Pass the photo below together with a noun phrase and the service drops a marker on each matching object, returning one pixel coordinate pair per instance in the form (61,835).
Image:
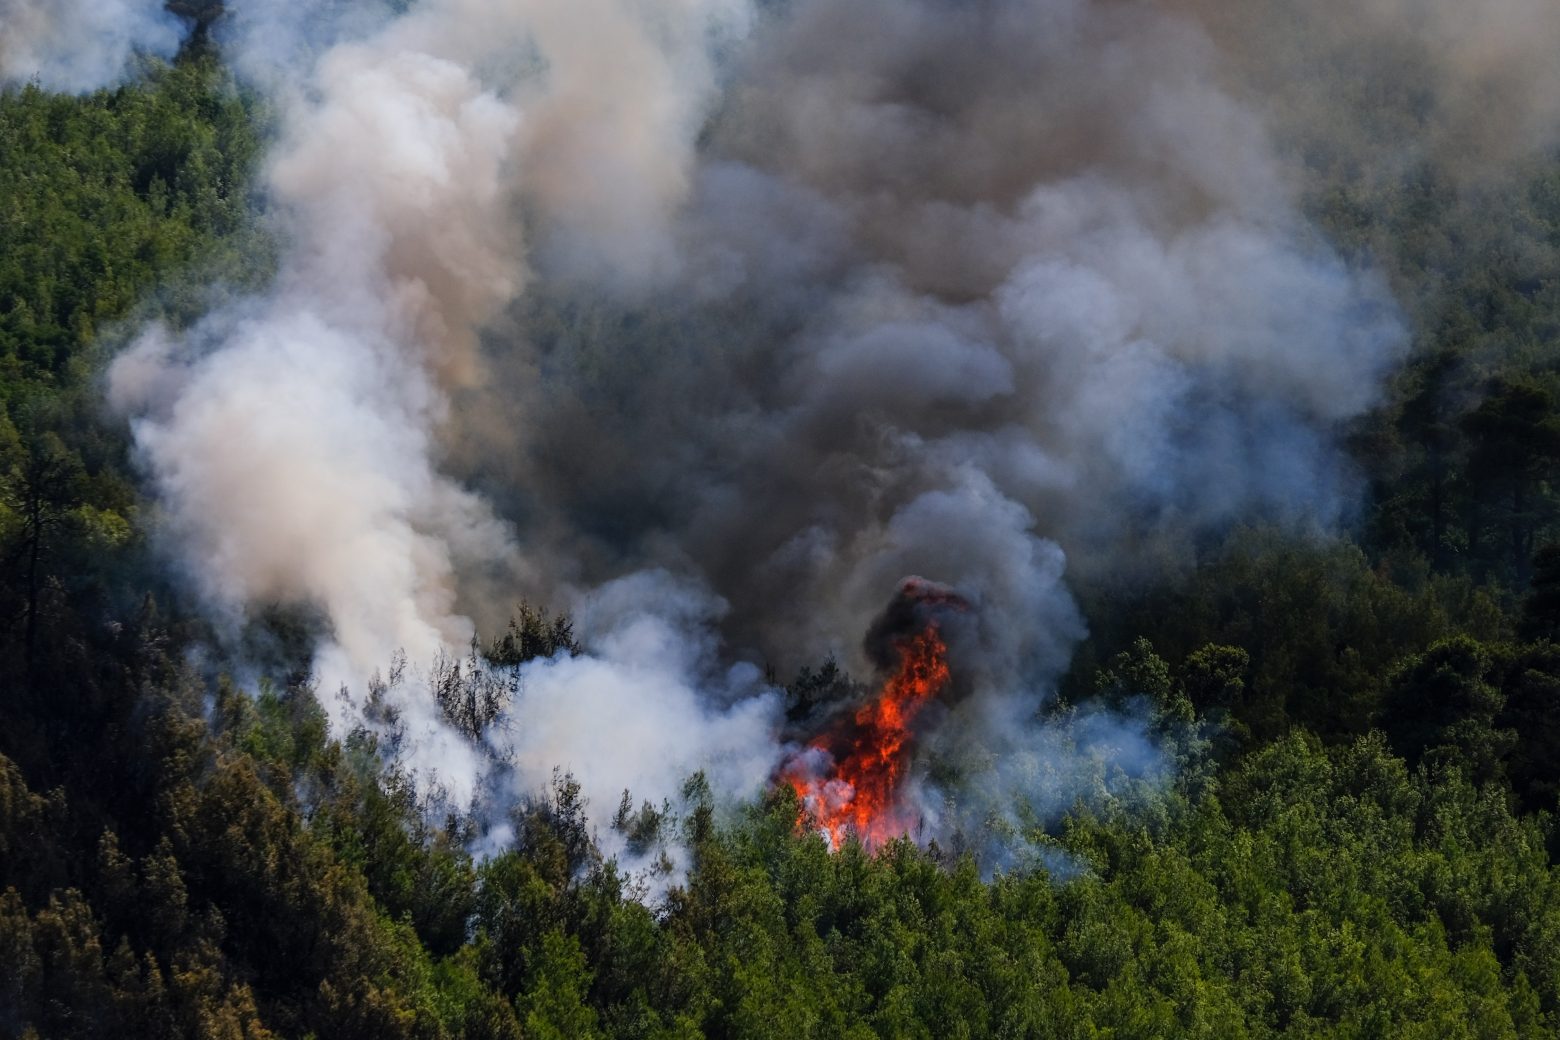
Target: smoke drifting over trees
(713,322)
(80,45)
(1473,87)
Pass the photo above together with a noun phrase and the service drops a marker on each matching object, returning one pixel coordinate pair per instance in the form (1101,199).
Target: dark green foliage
(1541,608)
(1464,456)
(816,692)
(1444,704)
(106,196)
(473,692)
(532,634)
(1531,714)
(1320,630)
(1514,447)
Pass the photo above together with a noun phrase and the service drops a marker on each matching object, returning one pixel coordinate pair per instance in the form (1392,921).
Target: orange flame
(869,753)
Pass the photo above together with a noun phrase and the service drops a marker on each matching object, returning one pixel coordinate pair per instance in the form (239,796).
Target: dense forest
(1359,838)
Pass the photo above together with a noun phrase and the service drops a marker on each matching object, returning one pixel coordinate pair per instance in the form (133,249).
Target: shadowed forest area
(1359,838)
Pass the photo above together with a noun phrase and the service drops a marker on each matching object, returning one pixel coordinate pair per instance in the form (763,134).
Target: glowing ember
(848,780)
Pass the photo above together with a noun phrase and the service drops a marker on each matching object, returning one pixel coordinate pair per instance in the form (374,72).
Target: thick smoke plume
(80,45)
(959,282)
(293,440)
(977,292)
(713,323)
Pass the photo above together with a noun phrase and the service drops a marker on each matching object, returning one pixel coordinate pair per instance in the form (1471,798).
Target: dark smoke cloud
(713,322)
(960,283)
(982,292)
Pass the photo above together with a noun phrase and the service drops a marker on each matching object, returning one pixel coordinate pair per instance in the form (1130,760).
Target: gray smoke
(75,46)
(712,323)
(959,285)
(979,292)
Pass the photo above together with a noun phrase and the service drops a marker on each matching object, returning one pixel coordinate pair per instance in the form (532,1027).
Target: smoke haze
(1467,88)
(75,46)
(712,323)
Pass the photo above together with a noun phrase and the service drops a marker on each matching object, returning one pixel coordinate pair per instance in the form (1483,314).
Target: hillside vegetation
(1359,841)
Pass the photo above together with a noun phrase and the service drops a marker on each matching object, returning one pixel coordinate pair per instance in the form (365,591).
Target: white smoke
(650,706)
(294,440)
(75,46)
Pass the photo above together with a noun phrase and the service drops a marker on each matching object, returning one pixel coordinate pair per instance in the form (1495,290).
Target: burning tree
(849,777)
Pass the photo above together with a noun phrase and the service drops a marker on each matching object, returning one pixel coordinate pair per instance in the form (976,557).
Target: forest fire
(848,779)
